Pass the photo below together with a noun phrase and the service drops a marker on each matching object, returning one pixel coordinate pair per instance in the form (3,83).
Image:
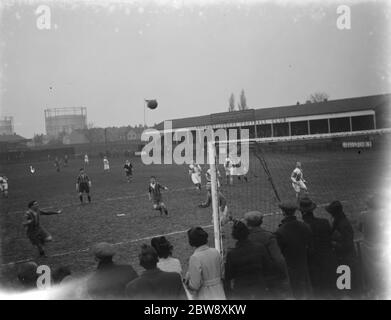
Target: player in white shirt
(228,166)
(86,161)
(106,164)
(195,173)
(298,182)
(4,186)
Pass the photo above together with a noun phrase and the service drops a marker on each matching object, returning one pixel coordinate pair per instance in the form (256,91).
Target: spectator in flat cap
(372,227)
(276,277)
(27,275)
(321,259)
(154,283)
(245,266)
(204,277)
(109,280)
(164,250)
(294,239)
(343,241)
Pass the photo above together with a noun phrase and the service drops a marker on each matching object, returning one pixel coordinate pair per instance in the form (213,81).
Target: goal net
(336,166)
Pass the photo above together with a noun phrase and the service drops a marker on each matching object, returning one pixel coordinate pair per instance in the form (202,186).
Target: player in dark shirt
(83,184)
(154,194)
(128,170)
(57,164)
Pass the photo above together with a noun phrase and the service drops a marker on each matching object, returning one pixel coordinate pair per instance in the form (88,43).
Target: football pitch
(120,212)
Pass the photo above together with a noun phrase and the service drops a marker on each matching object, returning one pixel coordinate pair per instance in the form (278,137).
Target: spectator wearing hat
(294,239)
(245,266)
(109,280)
(321,259)
(154,283)
(343,241)
(204,277)
(276,277)
(164,251)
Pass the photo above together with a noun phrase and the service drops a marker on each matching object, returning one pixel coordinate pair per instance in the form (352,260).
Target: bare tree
(318,97)
(243,101)
(231,103)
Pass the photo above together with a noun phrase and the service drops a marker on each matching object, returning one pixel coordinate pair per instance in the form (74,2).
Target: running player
(240,171)
(35,231)
(195,173)
(298,182)
(83,185)
(106,164)
(128,167)
(66,160)
(4,186)
(228,166)
(155,194)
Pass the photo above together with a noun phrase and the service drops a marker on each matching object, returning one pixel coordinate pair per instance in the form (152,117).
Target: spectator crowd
(298,261)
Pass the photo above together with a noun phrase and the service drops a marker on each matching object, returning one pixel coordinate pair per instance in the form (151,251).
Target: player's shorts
(299,185)
(128,173)
(196,178)
(106,167)
(38,235)
(84,187)
(4,187)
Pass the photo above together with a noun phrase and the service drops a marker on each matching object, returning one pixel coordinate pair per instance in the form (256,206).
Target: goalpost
(271,162)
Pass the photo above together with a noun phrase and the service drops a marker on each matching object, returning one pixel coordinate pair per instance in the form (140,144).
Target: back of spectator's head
(60,273)
(335,208)
(162,246)
(240,231)
(27,274)
(306,205)
(148,257)
(103,251)
(253,218)
(197,237)
(288,208)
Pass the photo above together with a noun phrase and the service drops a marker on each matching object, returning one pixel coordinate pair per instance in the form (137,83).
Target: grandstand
(343,115)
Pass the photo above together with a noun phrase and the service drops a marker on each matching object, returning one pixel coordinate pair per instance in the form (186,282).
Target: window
(264,130)
(299,128)
(281,129)
(362,123)
(340,124)
(319,126)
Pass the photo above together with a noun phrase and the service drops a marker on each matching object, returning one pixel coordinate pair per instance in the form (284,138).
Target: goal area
(336,166)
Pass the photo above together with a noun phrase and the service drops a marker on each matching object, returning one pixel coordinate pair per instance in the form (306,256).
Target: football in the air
(152,104)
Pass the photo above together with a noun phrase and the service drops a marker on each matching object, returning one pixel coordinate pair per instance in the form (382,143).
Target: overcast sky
(190,58)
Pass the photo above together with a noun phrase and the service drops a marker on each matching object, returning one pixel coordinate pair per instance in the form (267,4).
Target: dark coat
(109,281)
(343,243)
(156,285)
(294,239)
(246,265)
(322,261)
(343,239)
(267,239)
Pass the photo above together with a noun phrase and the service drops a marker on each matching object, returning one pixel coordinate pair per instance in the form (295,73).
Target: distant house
(9,142)
(132,135)
(75,137)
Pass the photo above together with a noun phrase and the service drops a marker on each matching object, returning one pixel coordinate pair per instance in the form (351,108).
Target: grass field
(120,212)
